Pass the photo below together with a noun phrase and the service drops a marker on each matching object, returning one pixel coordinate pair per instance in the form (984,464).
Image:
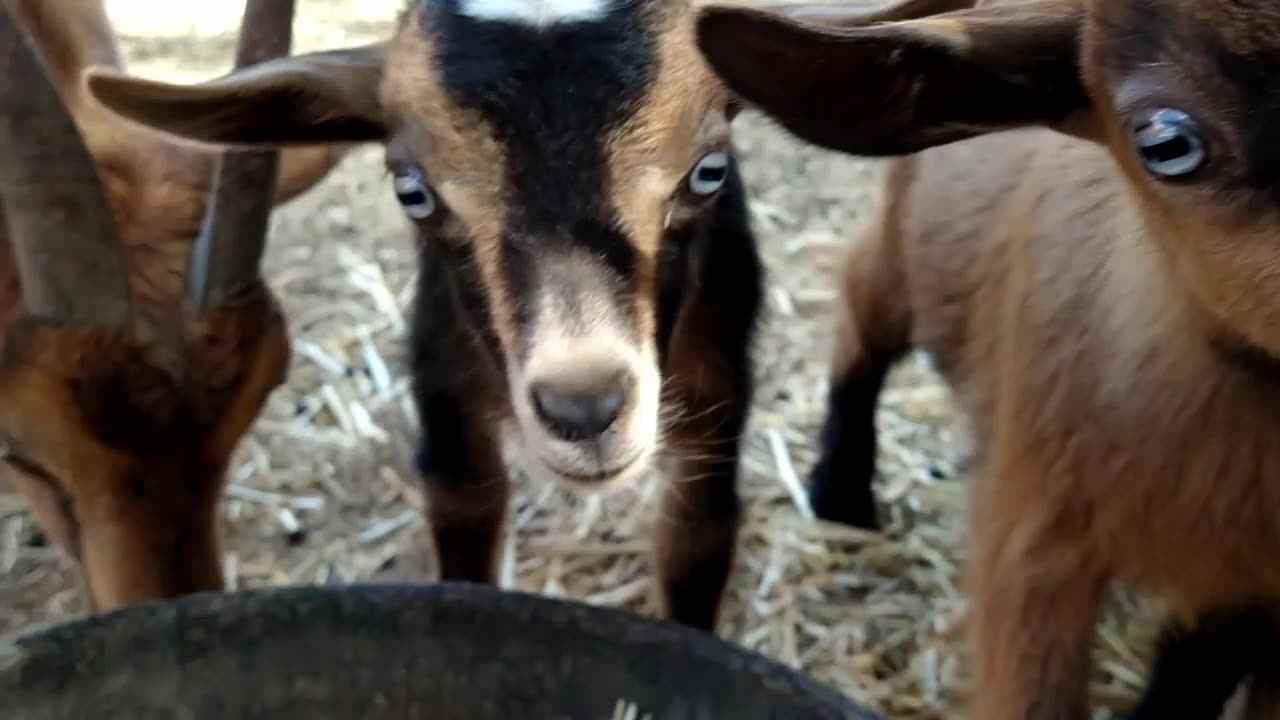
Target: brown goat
(587,265)
(126,381)
(1082,227)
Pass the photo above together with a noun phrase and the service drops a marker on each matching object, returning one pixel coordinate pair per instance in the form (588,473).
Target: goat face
(549,154)
(1073,326)
(1183,94)
(1178,92)
(125,381)
(120,437)
(120,444)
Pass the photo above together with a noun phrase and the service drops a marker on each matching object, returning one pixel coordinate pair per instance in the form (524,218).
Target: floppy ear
(899,87)
(309,99)
(302,168)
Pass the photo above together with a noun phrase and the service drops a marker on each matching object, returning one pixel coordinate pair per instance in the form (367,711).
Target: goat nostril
(578,414)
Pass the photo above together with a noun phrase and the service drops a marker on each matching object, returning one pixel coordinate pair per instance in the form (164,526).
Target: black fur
(727,277)
(1255,97)
(457,362)
(458,381)
(1238,352)
(1197,669)
(718,272)
(840,486)
(552,96)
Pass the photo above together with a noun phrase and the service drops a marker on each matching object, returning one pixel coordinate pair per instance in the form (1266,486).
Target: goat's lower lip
(594,477)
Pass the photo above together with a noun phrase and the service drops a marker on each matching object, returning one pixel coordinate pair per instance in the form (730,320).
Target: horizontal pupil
(1169,149)
(414,197)
(710,174)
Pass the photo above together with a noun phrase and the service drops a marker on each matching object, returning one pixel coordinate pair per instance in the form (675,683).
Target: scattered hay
(324,490)
(626,710)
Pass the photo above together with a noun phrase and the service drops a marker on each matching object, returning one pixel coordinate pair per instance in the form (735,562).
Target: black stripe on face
(601,250)
(553,96)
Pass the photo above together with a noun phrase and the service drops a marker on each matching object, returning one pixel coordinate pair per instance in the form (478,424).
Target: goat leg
(1198,667)
(1036,588)
(467,487)
(872,333)
(701,511)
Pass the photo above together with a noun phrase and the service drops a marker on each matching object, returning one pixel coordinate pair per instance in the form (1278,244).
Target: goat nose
(576,413)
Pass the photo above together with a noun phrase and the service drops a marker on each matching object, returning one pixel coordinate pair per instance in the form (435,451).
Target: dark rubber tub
(438,652)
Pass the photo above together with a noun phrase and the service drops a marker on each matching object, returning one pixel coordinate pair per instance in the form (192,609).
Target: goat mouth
(594,478)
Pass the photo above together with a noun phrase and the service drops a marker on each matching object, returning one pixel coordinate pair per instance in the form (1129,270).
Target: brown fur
(698,523)
(120,441)
(698,518)
(1079,307)
(636,285)
(467,520)
(466,160)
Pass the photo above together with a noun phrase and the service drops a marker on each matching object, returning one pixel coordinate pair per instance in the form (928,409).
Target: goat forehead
(1208,36)
(551,97)
(536,13)
(535,84)
(1238,27)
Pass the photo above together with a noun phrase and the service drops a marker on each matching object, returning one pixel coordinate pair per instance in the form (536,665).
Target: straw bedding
(323,490)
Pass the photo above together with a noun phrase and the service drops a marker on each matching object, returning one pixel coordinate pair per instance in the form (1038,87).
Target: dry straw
(323,490)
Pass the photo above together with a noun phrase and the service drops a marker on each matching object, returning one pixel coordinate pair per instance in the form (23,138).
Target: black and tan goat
(587,265)
(137,343)
(1086,238)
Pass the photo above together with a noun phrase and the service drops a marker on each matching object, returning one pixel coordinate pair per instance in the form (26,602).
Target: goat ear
(899,87)
(309,99)
(302,168)
(860,13)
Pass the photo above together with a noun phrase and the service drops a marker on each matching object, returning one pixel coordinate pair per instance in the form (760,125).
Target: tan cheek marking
(457,142)
(465,203)
(642,209)
(714,129)
(954,33)
(650,156)
(462,156)
(642,204)
(484,225)
(652,153)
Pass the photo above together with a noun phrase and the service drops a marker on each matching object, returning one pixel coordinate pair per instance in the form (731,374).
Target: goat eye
(1169,143)
(709,174)
(415,197)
